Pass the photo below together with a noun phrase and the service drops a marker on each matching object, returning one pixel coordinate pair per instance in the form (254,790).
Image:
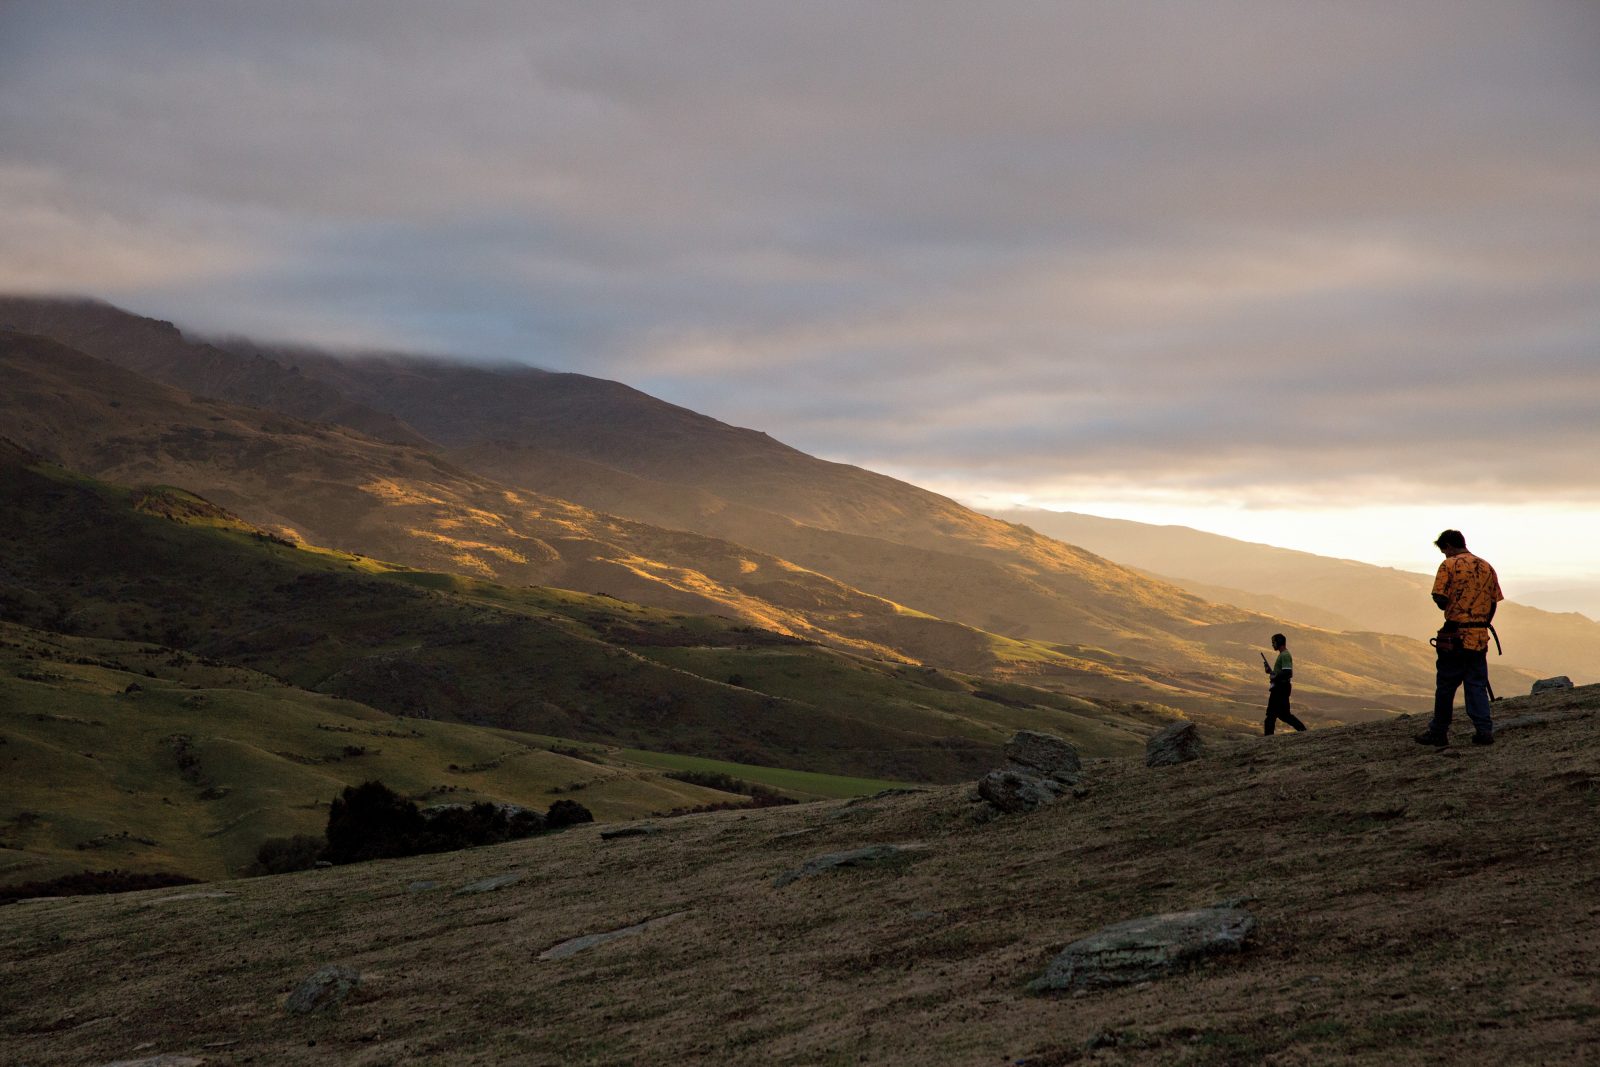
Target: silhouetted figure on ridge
(1281,671)
(1467,590)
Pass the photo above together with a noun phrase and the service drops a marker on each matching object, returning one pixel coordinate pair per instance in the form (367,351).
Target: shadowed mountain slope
(1411,911)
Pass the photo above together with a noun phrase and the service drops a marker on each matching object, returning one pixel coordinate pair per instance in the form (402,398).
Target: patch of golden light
(502,552)
(394,493)
(491,519)
(468,562)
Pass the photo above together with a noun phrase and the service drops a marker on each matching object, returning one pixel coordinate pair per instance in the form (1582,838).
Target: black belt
(1471,625)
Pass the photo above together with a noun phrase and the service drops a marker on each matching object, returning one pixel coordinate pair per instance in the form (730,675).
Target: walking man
(1281,672)
(1467,590)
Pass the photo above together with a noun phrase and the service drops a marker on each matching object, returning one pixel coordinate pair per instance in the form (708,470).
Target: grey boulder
(323,990)
(1143,949)
(1546,685)
(1039,768)
(1030,751)
(1178,743)
(1014,792)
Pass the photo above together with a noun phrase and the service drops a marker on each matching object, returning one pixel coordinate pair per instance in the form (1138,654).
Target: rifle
(1264,664)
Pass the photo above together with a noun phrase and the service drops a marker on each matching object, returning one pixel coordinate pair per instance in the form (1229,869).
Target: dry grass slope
(1415,908)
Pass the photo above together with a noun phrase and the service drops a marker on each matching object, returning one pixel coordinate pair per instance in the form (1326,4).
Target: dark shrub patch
(91,882)
(280,855)
(566,813)
(760,795)
(371,821)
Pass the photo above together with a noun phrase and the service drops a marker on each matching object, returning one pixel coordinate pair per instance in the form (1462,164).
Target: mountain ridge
(953,564)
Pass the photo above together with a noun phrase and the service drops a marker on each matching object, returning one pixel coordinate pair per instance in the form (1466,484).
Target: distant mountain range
(1319,591)
(527,476)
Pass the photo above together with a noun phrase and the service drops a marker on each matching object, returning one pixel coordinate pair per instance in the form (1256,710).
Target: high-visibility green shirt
(1284,667)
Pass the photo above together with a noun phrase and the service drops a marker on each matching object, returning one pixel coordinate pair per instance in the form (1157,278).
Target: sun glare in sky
(1532,547)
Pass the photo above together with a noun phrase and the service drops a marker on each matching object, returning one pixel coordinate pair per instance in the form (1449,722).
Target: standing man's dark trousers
(1462,667)
(1278,708)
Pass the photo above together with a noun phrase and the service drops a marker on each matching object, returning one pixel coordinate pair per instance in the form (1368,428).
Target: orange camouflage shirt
(1473,589)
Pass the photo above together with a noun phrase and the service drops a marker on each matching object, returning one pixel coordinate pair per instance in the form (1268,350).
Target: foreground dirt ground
(1415,907)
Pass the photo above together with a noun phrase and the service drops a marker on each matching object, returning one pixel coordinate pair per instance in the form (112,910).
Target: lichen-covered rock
(1177,743)
(1013,791)
(1546,685)
(324,990)
(1142,949)
(1044,754)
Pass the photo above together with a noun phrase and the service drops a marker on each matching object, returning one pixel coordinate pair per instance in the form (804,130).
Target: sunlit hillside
(952,588)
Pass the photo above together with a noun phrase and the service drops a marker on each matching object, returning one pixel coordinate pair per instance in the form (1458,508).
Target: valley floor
(1415,907)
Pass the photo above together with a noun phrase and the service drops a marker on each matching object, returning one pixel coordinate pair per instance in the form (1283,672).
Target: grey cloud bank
(1052,249)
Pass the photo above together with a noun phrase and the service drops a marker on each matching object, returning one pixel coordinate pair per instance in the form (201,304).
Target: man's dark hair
(1451,539)
(1279,639)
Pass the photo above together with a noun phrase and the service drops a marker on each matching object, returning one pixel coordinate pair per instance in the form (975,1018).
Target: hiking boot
(1429,737)
(1481,738)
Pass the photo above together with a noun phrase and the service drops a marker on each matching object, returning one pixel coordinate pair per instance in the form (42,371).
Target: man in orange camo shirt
(1467,589)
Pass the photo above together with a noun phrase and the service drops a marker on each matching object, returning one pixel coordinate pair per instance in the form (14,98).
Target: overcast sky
(1163,259)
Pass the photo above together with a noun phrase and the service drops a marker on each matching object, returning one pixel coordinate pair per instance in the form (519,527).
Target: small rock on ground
(641,830)
(1175,744)
(871,856)
(323,990)
(1146,948)
(489,885)
(1544,685)
(573,946)
(1521,721)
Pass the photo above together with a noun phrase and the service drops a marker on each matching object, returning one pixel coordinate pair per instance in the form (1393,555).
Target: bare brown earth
(1415,907)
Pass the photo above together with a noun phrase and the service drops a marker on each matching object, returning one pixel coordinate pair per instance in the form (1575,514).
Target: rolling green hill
(135,756)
